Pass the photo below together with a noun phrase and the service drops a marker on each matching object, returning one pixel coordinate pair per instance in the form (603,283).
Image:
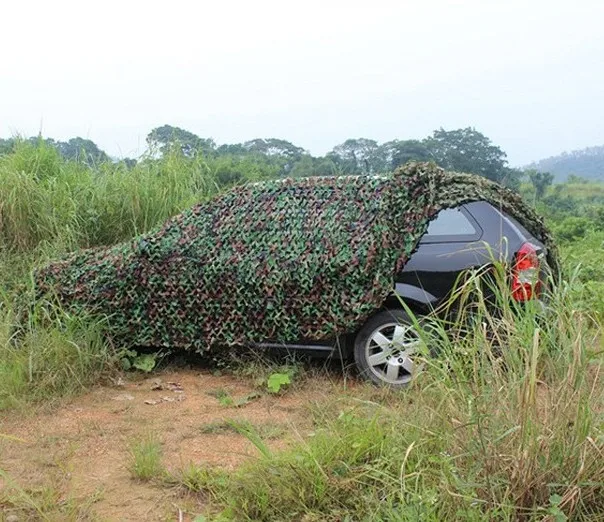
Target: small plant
(266,431)
(48,501)
(225,399)
(194,478)
(144,362)
(277,381)
(145,458)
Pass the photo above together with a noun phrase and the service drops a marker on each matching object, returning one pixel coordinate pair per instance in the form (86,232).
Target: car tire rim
(389,352)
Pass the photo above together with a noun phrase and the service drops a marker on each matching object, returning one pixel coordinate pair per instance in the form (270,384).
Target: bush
(571,228)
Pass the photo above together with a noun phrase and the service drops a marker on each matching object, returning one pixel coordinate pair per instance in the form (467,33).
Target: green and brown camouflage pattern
(306,258)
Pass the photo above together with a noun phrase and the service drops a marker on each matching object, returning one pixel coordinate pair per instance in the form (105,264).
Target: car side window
(452,224)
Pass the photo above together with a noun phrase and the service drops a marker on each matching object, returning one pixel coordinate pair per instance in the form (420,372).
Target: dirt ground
(79,452)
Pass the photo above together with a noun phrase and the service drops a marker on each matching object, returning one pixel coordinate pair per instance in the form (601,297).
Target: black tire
(370,348)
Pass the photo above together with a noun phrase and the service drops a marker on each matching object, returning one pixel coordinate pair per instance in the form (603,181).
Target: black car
(458,239)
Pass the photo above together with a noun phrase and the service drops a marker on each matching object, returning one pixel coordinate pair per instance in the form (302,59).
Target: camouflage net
(287,260)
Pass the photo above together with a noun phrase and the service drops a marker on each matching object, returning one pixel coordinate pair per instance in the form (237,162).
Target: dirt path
(78,455)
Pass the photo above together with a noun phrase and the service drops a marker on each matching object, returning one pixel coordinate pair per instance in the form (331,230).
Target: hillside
(587,163)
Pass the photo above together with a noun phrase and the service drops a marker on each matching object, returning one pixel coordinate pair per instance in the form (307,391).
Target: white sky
(528,74)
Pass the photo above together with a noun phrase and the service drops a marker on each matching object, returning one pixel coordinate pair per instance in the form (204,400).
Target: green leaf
(145,362)
(276,381)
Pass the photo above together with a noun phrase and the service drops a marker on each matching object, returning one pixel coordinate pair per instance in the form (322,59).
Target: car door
(451,245)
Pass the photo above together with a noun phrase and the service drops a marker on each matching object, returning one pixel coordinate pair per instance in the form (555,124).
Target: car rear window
(452,224)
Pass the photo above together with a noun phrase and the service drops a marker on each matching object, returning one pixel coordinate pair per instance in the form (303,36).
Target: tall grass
(49,206)
(47,200)
(48,353)
(507,423)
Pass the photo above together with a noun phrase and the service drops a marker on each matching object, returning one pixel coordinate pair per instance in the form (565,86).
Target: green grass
(507,423)
(194,478)
(266,431)
(146,458)
(47,502)
(49,354)
(47,200)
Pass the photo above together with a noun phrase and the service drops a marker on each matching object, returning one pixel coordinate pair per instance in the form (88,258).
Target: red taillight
(525,273)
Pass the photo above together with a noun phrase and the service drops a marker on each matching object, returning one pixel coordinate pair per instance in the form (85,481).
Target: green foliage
(277,381)
(47,354)
(83,150)
(540,181)
(571,228)
(358,156)
(47,200)
(145,362)
(193,478)
(230,170)
(76,149)
(47,502)
(467,150)
(274,147)
(146,458)
(399,152)
(505,424)
(168,139)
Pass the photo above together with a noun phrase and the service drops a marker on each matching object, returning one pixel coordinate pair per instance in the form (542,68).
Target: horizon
(218,144)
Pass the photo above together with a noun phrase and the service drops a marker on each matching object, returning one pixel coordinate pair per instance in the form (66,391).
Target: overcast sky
(528,74)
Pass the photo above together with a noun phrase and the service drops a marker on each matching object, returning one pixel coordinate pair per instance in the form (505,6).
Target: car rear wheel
(386,349)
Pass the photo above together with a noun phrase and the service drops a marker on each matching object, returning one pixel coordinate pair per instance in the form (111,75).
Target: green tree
(307,165)
(6,146)
(358,156)
(399,152)
(282,152)
(573,178)
(467,150)
(540,182)
(231,149)
(231,170)
(274,147)
(81,149)
(164,138)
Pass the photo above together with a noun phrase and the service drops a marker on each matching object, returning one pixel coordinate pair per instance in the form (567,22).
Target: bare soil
(80,450)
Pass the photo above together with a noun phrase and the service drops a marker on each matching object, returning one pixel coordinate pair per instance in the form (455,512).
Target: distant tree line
(77,149)
(587,163)
(464,150)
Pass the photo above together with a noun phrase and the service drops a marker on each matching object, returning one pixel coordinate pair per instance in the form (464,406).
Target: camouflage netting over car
(286,260)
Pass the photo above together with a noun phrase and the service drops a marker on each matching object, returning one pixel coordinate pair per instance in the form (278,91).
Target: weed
(45,502)
(266,431)
(225,399)
(145,362)
(277,381)
(506,423)
(54,354)
(146,458)
(194,478)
